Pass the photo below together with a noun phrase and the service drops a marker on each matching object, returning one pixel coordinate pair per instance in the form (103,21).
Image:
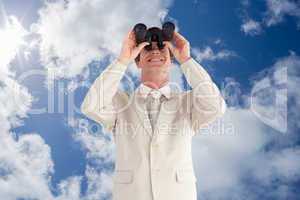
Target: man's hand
(129,49)
(181,50)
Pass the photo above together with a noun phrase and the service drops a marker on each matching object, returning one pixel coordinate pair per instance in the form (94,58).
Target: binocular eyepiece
(153,34)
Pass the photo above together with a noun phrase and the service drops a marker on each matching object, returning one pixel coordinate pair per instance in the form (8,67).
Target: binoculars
(153,34)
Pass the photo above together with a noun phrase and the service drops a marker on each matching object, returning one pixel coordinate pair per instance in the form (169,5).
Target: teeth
(155,59)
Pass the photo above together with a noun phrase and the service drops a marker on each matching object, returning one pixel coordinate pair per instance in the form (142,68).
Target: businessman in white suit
(153,126)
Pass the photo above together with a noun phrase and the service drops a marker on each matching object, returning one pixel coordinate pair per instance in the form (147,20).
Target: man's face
(155,57)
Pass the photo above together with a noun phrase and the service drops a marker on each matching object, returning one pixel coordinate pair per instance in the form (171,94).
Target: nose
(155,50)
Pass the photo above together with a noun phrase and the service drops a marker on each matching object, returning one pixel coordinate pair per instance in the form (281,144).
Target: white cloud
(218,41)
(69,188)
(97,147)
(239,157)
(275,13)
(26,165)
(277,10)
(11,37)
(100,184)
(220,156)
(207,53)
(251,27)
(233,94)
(222,161)
(77,32)
(269,96)
(100,151)
(272,89)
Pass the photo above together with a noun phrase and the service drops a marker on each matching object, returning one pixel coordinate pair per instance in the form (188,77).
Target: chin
(158,65)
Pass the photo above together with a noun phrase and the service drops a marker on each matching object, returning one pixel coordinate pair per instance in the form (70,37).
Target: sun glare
(11,38)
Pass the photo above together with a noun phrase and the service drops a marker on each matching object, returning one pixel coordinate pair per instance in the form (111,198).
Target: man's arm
(98,103)
(206,101)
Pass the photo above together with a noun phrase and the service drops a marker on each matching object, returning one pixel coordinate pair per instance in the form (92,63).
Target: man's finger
(139,48)
(170,46)
(179,36)
(142,45)
(179,39)
(131,34)
(128,36)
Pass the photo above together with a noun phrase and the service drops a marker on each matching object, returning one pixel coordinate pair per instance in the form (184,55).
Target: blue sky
(250,48)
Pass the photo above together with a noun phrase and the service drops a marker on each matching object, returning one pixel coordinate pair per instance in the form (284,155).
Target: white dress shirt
(144,90)
(154,100)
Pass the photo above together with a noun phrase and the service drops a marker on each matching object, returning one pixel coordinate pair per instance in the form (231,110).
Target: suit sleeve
(205,100)
(99,104)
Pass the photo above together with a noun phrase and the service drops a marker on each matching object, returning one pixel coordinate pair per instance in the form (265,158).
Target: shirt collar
(165,90)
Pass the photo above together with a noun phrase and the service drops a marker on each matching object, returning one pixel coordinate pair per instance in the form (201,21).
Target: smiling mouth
(153,60)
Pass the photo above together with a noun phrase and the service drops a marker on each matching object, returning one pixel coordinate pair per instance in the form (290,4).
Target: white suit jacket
(158,166)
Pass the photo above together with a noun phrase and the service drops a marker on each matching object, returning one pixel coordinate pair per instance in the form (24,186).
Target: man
(153,127)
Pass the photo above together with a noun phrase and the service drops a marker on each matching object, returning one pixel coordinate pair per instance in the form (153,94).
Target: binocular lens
(154,34)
